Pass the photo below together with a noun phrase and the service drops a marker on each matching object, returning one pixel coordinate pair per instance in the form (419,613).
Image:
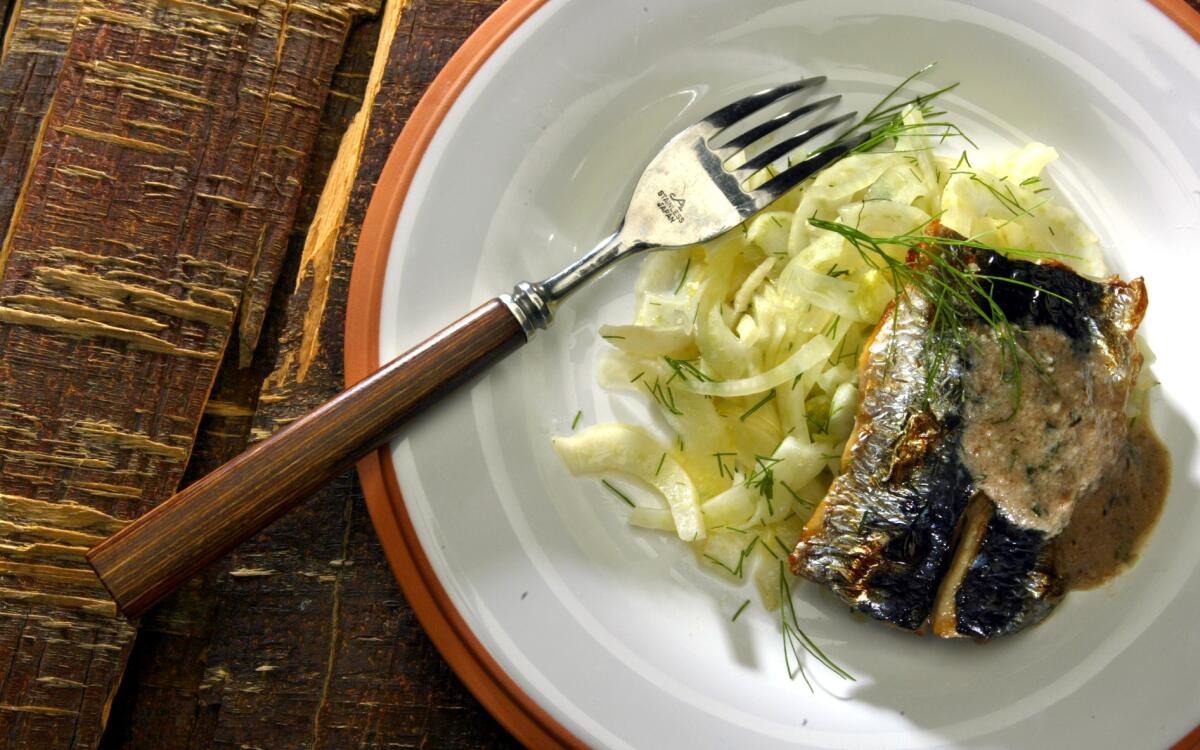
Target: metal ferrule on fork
(533,304)
(529,306)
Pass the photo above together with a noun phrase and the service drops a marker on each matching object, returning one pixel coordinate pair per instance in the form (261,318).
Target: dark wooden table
(164,303)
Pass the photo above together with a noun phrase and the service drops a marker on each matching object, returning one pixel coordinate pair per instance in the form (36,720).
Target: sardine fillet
(892,537)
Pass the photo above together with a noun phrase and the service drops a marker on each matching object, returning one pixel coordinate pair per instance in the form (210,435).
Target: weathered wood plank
(158,705)
(316,646)
(35,44)
(6,12)
(160,198)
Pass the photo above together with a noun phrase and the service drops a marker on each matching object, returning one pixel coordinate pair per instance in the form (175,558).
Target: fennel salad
(748,346)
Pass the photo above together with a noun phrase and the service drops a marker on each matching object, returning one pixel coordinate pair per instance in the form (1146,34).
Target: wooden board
(160,197)
(35,43)
(165,699)
(307,641)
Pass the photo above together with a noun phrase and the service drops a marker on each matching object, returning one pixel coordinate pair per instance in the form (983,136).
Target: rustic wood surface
(302,638)
(35,43)
(152,217)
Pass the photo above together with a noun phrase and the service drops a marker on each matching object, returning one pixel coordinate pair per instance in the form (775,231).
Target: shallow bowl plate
(573,628)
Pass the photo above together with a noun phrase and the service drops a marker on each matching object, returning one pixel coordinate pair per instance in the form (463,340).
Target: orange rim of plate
(470,660)
(1183,14)
(510,705)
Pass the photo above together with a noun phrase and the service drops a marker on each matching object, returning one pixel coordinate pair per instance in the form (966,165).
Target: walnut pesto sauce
(1114,519)
(1058,455)
(1036,445)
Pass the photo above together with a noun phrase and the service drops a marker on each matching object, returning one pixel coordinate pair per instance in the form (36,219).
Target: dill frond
(684,369)
(765,399)
(740,610)
(885,122)
(763,479)
(959,297)
(796,642)
(624,498)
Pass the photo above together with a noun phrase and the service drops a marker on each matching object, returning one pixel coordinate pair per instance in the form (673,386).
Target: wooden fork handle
(163,548)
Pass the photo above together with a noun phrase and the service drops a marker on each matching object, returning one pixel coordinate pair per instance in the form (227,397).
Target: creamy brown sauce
(1035,451)
(1114,519)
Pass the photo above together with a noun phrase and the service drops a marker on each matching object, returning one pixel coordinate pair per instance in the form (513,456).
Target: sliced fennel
(625,449)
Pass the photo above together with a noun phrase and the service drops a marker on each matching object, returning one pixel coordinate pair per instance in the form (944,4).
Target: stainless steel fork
(694,190)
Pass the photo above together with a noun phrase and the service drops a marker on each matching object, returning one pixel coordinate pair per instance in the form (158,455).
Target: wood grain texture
(35,45)
(368,676)
(165,700)
(388,687)
(309,642)
(175,540)
(365,674)
(162,186)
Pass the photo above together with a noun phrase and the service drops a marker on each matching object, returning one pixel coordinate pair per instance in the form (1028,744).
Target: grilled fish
(959,476)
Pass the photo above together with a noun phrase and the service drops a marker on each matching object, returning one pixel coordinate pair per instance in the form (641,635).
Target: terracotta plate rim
(470,660)
(498,693)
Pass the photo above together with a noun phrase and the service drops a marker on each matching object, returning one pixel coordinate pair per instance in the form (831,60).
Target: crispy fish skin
(1012,582)
(885,535)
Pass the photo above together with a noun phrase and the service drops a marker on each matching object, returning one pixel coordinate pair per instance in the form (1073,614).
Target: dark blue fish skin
(1074,305)
(885,535)
(1011,584)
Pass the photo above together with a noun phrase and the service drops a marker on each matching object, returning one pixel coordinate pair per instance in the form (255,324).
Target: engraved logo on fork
(671,206)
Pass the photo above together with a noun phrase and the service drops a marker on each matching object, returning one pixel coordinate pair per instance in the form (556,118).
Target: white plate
(616,632)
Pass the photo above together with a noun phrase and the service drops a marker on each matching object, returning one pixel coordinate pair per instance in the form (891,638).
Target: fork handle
(163,548)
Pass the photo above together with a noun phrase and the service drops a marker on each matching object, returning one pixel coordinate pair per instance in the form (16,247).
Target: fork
(692,191)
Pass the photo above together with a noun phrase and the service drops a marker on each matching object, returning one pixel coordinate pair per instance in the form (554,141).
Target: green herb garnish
(683,277)
(795,641)
(618,493)
(959,296)
(763,479)
(740,610)
(885,121)
(786,552)
(684,369)
(759,405)
(739,570)
(664,396)
(796,496)
(721,470)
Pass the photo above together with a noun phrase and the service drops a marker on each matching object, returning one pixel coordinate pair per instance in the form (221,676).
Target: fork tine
(770,126)
(731,113)
(772,189)
(780,149)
